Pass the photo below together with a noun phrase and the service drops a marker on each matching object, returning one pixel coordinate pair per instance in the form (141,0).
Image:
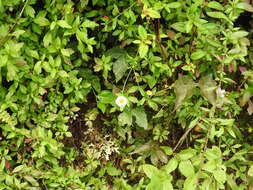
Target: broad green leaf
(232,182)
(29,11)
(67,52)
(215,5)
(186,154)
(41,21)
(191,182)
(173,5)
(47,39)
(31,180)
(142,32)
(12,71)
(125,118)
(63,24)
(186,168)
(207,87)
(3,30)
(143,50)
(155,183)
(150,170)
(238,34)
(184,86)
(152,13)
(250,171)
(101,106)
(2,164)
(17,33)
(140,117)
(168,150)
(219,15)
(170,166)
(18,168)
(210,166)
(214,153)
(106,97)
(161,155)
(246,97)
(220,175)
(179,26)
(147,147)
(112,171)
(188,26)
(94,2)
(245,6)
(120,67)
(89,24)
(198,54)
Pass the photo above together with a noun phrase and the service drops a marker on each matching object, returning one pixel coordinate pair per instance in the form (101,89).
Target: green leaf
(187,153)
(106,97)
(147,147)
(238,34)
(218,15)
(250,171)
(171,166)
(120,67)
(186,168)
(29,11)
(207,87)
(179,26)
(198,54)
(161,155)
(125,118)
(31,180)
(152,13)
(215,5)
(245,6)
(220,175)
(12,71)
(188,26)
(191,182)
(18,168)
(63,24)
(140,117)
(89,24)
(142,32)
(101,106)
(184,86)
(173,5)
(41,21)
(67,52)
(214,153)
(143,50)
(112,171)
(47,39)
(150,170)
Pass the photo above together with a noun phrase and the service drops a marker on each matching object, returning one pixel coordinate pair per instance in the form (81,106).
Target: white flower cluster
(121,101)
(220,92)
(103,149)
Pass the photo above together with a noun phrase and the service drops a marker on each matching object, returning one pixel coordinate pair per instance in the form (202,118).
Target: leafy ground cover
(133,94)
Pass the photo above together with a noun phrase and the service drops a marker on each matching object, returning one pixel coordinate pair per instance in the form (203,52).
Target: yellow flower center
(121,100)
(149,92)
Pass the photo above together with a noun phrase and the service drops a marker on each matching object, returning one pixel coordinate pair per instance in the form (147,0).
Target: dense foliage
(133,94)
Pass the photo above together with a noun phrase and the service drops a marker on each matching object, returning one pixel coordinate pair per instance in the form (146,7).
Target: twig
(183,138)
(126,79)
(17,19)
(121,13)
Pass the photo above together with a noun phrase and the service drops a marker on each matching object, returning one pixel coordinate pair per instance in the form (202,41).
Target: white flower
(121,101)
(220,92)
